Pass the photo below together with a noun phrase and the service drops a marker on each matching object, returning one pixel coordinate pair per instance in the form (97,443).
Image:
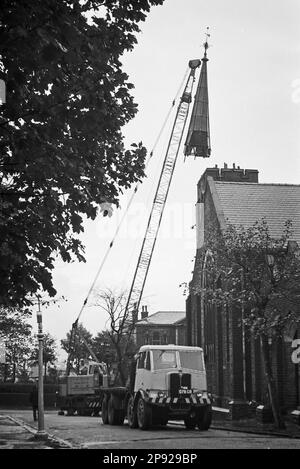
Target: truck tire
(144,414)
(205,417)
(104,410)
(131,414)
(190,422)
(115,416)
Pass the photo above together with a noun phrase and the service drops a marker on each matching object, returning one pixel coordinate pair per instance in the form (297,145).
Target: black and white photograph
(149,228)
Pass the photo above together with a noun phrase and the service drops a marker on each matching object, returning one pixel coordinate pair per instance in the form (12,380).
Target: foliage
(61,145)
(260,274)
(78,348)
(250,268)
(49,352)
(18,339)
(103,348)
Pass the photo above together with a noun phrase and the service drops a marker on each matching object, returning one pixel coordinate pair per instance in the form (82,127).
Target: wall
(168,331)
(17,395)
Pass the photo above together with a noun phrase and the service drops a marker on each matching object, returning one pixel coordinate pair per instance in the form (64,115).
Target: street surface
(90,433)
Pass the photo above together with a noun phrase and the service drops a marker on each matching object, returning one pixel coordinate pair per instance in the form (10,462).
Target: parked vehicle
(166,383)
(81,394)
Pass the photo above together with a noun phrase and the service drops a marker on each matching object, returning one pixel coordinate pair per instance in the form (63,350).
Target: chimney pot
(144,313)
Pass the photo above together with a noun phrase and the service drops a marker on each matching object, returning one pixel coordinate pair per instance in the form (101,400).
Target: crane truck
(81,393)
(167,382)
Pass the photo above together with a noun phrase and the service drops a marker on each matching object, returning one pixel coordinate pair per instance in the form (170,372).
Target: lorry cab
(170,370)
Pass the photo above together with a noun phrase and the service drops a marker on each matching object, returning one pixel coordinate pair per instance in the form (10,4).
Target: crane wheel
(104,410)
(144,414)
(131,414)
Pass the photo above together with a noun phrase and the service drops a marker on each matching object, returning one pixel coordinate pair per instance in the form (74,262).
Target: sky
(254,105)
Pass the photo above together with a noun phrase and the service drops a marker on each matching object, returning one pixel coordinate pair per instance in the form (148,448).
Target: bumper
(187,400)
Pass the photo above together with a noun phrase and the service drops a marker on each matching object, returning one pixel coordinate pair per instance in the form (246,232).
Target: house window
(156,338)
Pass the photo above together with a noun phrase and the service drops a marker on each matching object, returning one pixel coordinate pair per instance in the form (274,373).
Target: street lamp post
(41,434)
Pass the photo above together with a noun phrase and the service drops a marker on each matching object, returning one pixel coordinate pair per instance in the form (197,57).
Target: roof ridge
(257,183)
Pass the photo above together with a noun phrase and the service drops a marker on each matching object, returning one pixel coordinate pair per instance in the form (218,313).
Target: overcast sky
(254,100)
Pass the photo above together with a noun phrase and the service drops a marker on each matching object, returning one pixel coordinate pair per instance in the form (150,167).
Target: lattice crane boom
(140,275)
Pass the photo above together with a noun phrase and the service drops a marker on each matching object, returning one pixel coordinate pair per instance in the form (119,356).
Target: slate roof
(163,318)
(244,203)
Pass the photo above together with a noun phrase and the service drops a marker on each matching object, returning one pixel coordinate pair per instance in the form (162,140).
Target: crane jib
(161,195)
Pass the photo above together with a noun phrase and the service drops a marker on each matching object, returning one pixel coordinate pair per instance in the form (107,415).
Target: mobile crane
(188,398)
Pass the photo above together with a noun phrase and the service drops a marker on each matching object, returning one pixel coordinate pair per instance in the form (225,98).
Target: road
(90,433)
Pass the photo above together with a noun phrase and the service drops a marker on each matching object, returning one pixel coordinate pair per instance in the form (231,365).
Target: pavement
(18,434)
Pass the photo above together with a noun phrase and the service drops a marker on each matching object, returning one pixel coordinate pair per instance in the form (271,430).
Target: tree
(260,274)
(104,349)
(78,349)
(49,352)
(18,339)
(120,328)
(62,150)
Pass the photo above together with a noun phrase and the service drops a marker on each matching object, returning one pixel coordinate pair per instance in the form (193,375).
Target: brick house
(233,358)
(161,328)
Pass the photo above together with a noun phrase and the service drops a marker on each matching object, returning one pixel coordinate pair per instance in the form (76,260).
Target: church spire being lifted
(198,136)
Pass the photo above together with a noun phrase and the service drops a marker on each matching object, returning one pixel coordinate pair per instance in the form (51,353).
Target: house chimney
(144,312)
(234,174)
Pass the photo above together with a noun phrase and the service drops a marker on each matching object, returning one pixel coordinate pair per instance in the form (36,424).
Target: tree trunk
(14,372)
(279,422)
(5,372)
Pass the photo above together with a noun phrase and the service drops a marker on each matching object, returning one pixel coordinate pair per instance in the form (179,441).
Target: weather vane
(206,46)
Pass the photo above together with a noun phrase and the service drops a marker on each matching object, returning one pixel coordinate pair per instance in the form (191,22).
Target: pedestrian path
(252,425)
(16,434)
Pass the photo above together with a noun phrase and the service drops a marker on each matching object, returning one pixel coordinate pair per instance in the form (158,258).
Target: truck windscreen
(163,359)
(192,360)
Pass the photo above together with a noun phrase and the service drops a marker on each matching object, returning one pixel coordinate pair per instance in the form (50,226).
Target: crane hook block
(194,63)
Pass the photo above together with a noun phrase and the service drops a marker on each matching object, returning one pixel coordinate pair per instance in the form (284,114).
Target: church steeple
(198,136)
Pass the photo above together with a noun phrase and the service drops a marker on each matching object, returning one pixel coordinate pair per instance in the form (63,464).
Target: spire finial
(206,46)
